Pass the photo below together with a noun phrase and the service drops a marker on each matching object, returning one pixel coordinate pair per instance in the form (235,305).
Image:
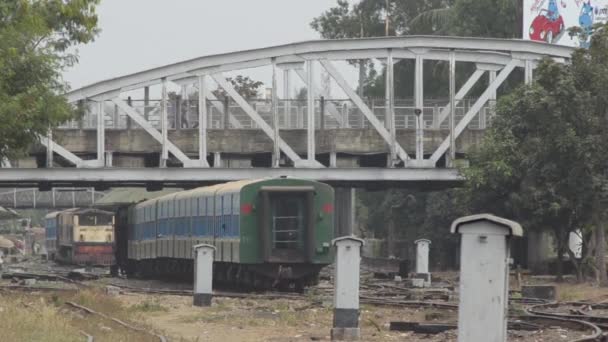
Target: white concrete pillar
(422,255)
(203,274)
(346,289)
(484,276)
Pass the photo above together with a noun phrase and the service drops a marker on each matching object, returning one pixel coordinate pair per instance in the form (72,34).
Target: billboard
(549,20)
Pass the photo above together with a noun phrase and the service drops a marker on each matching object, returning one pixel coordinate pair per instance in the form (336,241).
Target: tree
(544,159)
(36,41)
(245,86)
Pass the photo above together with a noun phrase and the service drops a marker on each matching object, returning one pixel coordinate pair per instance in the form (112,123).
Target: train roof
(51,215)
(78,211)
(128,196)
(221,188)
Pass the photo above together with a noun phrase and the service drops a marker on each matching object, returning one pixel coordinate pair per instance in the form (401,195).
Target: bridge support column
(311,112)
(217,159)
(202,122)
(101,133)
(108,162)
(390,108)
(452,155)
(344,218)
(276,151)
(287,96)
(528,71)
(419,104)
(163,123)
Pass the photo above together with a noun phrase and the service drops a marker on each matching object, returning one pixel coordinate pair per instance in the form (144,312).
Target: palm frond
(436,19)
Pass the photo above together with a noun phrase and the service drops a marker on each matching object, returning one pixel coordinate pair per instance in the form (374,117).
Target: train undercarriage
(267,276)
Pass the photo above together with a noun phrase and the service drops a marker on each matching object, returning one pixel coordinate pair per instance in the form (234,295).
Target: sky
(142,34)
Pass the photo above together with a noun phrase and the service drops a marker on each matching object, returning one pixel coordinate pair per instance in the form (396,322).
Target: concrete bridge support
(344,222)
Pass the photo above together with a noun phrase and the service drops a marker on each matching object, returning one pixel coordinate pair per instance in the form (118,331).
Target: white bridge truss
(495,59)
(33,198)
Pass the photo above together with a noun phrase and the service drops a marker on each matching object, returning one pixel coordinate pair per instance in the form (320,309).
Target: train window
(235,203)
(288,216)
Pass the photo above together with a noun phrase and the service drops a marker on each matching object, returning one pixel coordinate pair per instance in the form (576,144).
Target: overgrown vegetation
(24,319)
(36,44)
(543,163)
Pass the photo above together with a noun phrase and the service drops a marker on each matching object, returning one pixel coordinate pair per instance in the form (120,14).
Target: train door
(288,224)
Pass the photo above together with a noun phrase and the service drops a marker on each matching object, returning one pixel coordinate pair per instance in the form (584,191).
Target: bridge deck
(191,177)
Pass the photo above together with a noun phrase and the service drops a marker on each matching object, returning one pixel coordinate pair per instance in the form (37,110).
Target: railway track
(90,311)
(579,316)
(575,312)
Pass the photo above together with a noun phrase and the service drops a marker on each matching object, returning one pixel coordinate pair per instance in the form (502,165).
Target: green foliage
(487,18)
(36,37)
(544,160)
(245,86)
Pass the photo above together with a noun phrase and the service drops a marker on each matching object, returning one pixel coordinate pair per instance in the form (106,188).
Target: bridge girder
(498,57)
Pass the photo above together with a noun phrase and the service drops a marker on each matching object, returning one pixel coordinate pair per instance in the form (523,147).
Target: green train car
(273,232)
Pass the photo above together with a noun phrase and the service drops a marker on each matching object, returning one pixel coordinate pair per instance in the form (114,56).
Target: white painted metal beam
(291,154)
(431,42)
(310,111)
(202,122)
(419,106)
(275,118)
(164,122)
(390,107)
(101,133)
(54,147)
(331,108)
(461,94)
(481,101)
(141,176)
(154,133)
(331,69)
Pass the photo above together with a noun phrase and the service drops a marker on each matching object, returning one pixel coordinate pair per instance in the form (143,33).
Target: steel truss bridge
(33,198)
(205,140)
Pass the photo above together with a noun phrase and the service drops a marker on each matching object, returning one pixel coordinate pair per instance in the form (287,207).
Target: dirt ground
(269,320)
(295,320)
(307,318)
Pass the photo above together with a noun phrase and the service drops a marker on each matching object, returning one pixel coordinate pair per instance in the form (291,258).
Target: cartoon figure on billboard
(548,24)
(585,20)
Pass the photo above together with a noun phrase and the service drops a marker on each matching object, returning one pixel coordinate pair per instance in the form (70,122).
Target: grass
(38,320)
(46,317)
(149,306)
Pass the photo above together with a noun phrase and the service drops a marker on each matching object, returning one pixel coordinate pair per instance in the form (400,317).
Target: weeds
(149,306)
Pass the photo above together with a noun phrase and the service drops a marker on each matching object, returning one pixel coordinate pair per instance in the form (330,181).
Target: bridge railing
(329,114)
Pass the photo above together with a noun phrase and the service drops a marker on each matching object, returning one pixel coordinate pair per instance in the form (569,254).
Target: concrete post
(346,289)
(217,159)
(484,276)
(203,274)
(423,277)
